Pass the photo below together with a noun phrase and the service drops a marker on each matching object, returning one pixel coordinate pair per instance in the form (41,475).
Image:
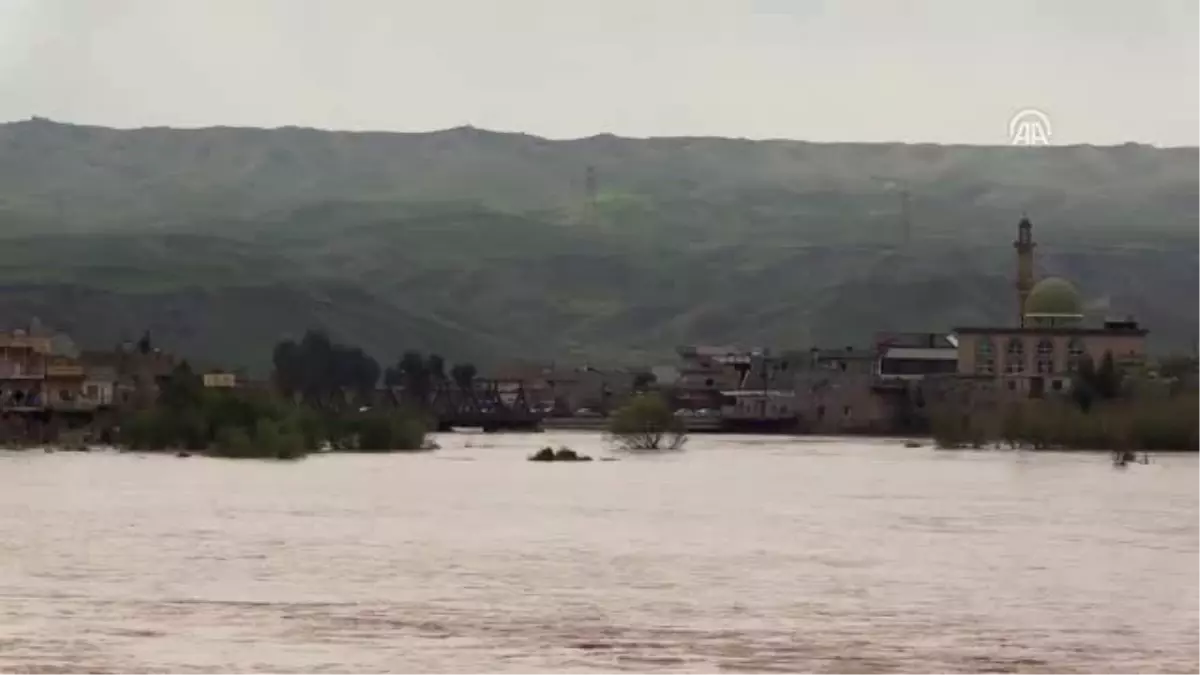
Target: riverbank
(692,425)
(1168,425)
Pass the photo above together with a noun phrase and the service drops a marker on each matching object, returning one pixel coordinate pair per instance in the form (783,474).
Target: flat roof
(922,353)
(1050,330)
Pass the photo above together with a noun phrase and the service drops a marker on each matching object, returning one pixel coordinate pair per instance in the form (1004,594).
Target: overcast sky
(949,71)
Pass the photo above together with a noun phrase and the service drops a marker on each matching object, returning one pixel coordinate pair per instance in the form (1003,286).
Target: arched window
(1014,356)
(1075,354)
(985,357)
(1045,357)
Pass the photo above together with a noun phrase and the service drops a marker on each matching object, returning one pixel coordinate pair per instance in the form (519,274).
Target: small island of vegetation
(325,399)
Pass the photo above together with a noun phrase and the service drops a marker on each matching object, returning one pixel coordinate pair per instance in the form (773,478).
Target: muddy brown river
(738,554)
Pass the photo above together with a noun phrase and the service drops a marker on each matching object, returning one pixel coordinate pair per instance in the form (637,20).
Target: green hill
(487,246)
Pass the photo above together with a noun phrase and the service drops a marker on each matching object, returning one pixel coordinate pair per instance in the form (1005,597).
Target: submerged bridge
(491,405)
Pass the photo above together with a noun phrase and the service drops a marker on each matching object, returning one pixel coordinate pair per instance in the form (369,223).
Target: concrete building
(1042,351)
(34,375)
(835,391)
(99,384)
(219,380)
(705,372)
(566,390)
(911,357)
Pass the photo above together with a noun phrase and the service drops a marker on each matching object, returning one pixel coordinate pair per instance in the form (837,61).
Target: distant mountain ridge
(495,246)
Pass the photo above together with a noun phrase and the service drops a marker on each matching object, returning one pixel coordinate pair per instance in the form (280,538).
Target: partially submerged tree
(1092,385)
(463,375)
(646,422)
(324,374)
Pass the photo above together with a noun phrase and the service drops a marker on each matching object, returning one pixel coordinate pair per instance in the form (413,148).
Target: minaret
(1024,245)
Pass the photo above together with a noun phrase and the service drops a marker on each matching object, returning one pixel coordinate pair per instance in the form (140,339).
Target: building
(62,385)
(911,357)
(705,371)
(35,374)
(99,384)
(565,390)
(835,393)
(219,380)
(1050,339)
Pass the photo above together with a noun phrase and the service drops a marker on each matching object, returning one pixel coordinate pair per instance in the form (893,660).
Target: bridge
(490,404)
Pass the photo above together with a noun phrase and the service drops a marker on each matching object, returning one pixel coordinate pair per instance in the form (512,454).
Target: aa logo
(1029,127)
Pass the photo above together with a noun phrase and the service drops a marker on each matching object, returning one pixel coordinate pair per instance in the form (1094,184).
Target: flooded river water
(738,554)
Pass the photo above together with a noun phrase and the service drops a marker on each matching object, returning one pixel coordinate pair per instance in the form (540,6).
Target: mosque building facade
(1050,338)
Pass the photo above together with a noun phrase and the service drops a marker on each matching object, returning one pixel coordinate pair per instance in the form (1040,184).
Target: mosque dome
(1054,297)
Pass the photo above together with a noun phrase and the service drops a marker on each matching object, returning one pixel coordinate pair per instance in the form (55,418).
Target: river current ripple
(738,554)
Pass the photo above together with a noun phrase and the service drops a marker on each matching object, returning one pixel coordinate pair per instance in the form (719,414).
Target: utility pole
(589,186)
(766,383)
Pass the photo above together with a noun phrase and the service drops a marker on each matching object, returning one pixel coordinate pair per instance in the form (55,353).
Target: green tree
(646,422)
(463,375)
(643,381)
(1109,378)
(413,375)
(1083,384)
(323,373)
(383,431)
(183,390)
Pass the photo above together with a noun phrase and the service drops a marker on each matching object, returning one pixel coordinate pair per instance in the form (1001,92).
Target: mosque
(1050,337)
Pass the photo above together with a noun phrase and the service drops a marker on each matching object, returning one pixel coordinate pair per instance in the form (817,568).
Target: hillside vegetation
(486,246)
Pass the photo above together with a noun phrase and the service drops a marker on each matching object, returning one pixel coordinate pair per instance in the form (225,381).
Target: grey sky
(950,71)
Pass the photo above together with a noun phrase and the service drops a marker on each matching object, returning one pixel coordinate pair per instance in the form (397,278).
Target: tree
(1092,384)
(463,375)
(1108,378)
(183,389)
(144,346)
(412,373)
(322,372)
(1083,384)
(287,362)
(435,365)
(646,422)
(643,381)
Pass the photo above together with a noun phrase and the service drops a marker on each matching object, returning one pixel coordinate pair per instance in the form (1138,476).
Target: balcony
(77,405)
(64,371)
(15,370)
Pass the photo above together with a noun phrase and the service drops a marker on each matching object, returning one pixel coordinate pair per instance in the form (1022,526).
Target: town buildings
(36,375)
(48,386)
(891,384)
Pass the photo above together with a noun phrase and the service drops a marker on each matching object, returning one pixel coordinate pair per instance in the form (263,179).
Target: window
(1075,354)
(1014,359)
(985,357)
(1045,357)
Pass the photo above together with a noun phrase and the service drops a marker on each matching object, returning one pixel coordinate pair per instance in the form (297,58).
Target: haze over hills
(492,246)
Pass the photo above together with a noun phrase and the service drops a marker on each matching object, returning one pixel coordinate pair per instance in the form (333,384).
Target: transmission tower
(589,186)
